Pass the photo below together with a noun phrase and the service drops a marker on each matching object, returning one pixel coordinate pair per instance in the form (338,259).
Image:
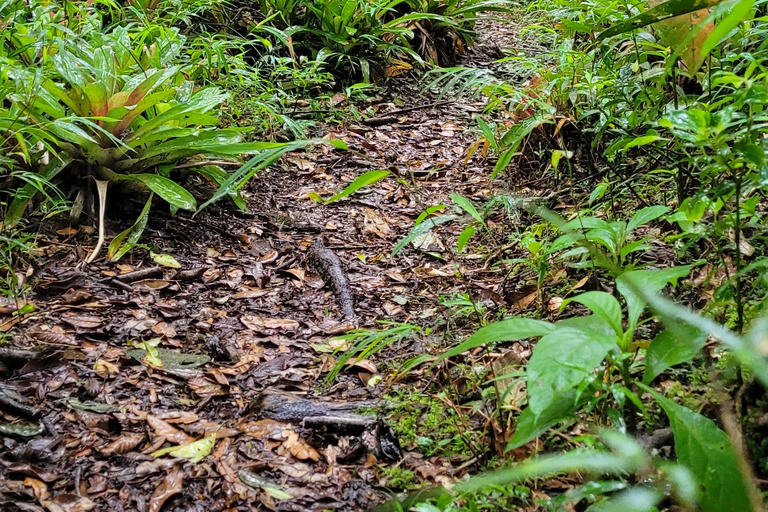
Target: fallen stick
(330,265)
(138,275)
(340,421)
(9,403)
(419,107)
(16,354)
(379,121)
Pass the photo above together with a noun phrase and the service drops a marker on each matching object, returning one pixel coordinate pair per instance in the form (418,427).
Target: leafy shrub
(116,107)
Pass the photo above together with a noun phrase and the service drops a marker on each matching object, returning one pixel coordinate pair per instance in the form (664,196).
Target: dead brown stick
(330,265)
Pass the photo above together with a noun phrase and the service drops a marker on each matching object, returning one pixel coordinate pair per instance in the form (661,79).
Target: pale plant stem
(101,186)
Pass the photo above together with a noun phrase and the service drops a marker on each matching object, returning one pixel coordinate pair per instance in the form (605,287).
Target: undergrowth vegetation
(647,121)
(646,116)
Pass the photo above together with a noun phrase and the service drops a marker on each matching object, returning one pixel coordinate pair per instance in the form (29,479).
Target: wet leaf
(170,486)
(194,452)
(169,190)
(298,447)
(123,444)
(258,482)
(365,179)
(165,260)
(21,429)
(81,321)
(260,323)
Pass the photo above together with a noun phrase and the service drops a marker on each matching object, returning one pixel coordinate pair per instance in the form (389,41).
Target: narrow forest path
(244,332)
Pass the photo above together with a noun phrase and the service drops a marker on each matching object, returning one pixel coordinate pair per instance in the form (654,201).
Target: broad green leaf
(368,178)
(165,260)
(645,216)
(426,213)
(219,175)
(582,461)
(511,329)
(664,11)
(126,240)
(529,426)
(504,159)
(338,144)
(642,141)
(637,499)
(667,350)
(21,429)
(603,305)
(709,453)
(464,237)
(467,206)
(194,452)
(651,281)
(421,229)
(680,320)
(169,190)
(561,361)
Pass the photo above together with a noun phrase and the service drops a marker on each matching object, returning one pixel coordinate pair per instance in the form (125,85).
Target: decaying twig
(330,265)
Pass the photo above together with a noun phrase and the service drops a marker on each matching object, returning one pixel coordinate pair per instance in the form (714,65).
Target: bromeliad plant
(121,113)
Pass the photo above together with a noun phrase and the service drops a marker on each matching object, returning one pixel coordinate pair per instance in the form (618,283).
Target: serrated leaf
(194,452)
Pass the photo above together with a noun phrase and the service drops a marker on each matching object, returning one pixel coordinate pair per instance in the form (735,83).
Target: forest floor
(238,342)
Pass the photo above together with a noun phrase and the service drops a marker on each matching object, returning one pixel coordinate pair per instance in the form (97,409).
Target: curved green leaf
(667,350)
(709,453)
(168,189)
(126,240)
(603,305)
(365,179)
(561,361)
(511,329)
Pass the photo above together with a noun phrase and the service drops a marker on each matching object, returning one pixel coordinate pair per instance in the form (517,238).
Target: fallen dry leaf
(164,429)
(298,447)
(68,503)
(81,321)
(123,444)
(171,485)
(260,323)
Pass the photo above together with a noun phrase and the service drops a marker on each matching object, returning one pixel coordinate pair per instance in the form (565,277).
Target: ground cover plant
(383,255)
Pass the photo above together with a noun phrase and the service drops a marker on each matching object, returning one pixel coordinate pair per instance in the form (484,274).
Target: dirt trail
(242,334)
